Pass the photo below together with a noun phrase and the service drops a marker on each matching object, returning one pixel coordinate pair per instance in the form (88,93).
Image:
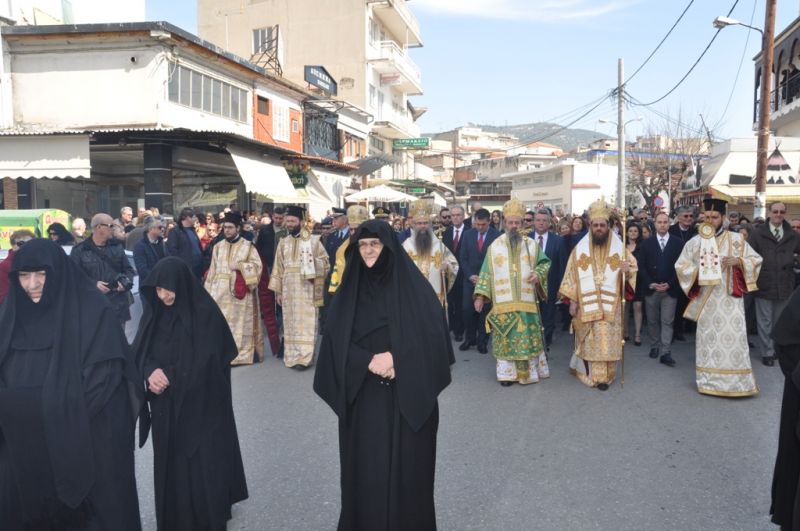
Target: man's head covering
(600,210)
(422,208)
(338,212)
(513,208)
(357,214)
(380,212)
(715,205)
(420,342)
(296,211)
(82,332)
(233,217)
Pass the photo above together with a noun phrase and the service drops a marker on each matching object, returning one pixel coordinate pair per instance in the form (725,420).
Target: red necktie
(480,243)
(455,239)
(541,242)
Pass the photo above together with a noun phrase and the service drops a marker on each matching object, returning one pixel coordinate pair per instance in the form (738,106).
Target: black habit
(69,394)
(387,428)
(785,508)
(198,466)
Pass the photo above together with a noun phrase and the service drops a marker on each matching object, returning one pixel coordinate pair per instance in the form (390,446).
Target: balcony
(395,124)
(785,89)
(399,19)
(395,67)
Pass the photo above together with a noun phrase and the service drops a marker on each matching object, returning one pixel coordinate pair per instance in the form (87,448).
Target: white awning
(44,156)
(263,175)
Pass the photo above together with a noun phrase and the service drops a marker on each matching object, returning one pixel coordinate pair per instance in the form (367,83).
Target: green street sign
(416,190)
(411,143)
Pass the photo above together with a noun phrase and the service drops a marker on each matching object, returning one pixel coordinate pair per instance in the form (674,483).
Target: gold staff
(624,287)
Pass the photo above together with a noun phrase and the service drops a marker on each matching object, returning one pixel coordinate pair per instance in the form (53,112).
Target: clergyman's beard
(514,237)
(599,239)
(423,241)
(294,231)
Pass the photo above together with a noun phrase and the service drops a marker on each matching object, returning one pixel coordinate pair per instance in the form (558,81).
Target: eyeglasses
(52,234)
(779,212)
(528,220)
(20,243)
(107,225)
(445,217)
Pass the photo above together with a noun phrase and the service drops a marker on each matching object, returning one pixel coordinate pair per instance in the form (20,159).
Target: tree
(662,157)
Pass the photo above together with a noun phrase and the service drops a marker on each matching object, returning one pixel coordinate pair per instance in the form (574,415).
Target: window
(280,123)
(295,126)
(377,143)
(379,114)
(374,31)
(263,106)
(373,96)
(205,93)
(262,38)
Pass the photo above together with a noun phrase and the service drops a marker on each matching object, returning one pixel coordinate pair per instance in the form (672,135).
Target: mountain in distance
(568,139)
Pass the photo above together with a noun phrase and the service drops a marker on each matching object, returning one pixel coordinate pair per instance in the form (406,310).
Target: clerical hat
(295,211)
(380,212)
(715,205)
(233,217)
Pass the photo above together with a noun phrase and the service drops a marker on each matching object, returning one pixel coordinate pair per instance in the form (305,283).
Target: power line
(686,75)
(662,41)
(666,117)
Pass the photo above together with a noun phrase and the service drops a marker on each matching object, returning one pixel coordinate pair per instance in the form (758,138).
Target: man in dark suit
(339,232)
(182,241)
(684,230)
(150,249)
(476,242)
(556,250)
(452,238)
(661,288)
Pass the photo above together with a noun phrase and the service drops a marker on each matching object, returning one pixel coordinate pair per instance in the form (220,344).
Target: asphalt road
(555,455)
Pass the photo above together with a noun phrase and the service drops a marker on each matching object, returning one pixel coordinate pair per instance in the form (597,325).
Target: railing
(408,16)
(389,50)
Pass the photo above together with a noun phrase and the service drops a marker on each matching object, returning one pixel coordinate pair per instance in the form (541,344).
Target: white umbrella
(380,194)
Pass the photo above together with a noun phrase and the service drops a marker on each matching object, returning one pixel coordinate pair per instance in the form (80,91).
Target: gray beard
(599,240)
(423,241)
(515,238)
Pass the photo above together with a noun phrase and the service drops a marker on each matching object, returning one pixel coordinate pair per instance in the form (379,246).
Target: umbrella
(380,194)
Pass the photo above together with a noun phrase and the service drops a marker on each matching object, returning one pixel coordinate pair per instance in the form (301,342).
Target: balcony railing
(391,52)
(399,18)
(408,16)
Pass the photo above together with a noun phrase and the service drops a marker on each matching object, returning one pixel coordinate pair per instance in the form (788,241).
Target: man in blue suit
(555,248)
(475,243)
(661,288)
(150,249)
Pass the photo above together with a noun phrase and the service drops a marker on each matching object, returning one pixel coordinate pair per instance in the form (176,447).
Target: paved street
(655,455)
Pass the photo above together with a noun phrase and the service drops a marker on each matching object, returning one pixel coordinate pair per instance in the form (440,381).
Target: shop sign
(320,78)
(411,143)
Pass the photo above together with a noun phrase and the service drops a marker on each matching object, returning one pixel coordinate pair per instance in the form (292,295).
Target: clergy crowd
(380,302)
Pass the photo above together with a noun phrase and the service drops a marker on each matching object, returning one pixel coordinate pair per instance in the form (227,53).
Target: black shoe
(602,386)
(459,337)
(654,353)
(680,337)
(666,359)
(506,384)
(769,361)
(300,368)
(627,338)
(466,345)
(638,343)
(483,349)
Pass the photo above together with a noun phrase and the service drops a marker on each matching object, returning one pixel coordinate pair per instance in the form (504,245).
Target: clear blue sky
(518,61)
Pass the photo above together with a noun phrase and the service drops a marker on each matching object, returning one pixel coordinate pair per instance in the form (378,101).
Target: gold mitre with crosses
(514,207)
(357,214)
(422,208)
(600,210)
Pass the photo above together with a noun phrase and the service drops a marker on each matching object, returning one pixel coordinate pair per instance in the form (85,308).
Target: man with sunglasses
(777,243)
(17,240)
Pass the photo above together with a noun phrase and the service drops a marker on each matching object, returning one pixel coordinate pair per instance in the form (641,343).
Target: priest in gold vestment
(298,280)
(429,253)
(356,215)
(715,269)
(513,278)
(235,256)
(593,282)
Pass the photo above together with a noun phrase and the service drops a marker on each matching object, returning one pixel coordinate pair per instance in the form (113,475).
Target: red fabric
(240,286)
(5,267)
(267,300)
(630,294)
(694,292)
(480,243)
(738,285)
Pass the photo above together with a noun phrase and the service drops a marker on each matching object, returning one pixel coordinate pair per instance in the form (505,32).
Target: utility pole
(621,136)
(764,109)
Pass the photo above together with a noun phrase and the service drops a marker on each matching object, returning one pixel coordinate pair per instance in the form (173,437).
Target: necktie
(777,233)
(480,242)
(541,242)
(663,243)
(455,239)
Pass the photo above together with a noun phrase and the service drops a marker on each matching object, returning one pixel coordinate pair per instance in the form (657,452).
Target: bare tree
(663,156)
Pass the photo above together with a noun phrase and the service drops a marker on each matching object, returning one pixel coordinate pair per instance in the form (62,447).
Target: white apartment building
(42,12)
(364,44)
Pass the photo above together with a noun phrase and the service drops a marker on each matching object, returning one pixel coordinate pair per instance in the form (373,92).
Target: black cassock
(198,466)
(387,428)
(68,396)
(785,508)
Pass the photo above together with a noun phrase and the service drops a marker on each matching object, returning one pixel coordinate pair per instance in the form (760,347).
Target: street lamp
(620,157)
(767,59)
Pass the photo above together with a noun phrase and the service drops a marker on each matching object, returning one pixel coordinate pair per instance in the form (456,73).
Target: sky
(503,62)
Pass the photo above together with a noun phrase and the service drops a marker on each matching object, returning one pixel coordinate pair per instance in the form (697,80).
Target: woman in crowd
(58,233)
(646,231)
(385,357)
(633,242)
(497,220)
(184,348)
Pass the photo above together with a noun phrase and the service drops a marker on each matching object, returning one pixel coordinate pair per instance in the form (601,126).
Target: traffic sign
(658,201)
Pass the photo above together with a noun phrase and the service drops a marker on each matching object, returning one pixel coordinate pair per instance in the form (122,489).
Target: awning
(785,193)
(263,175)
(374,163)
(334,184)
(381,194)
(45,156)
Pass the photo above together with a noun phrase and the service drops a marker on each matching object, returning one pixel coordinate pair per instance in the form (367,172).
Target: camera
(123,281)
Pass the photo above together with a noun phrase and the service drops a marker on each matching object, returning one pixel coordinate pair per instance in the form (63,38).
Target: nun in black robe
(387,427)
(198,466)
(69,395)
(785,508)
